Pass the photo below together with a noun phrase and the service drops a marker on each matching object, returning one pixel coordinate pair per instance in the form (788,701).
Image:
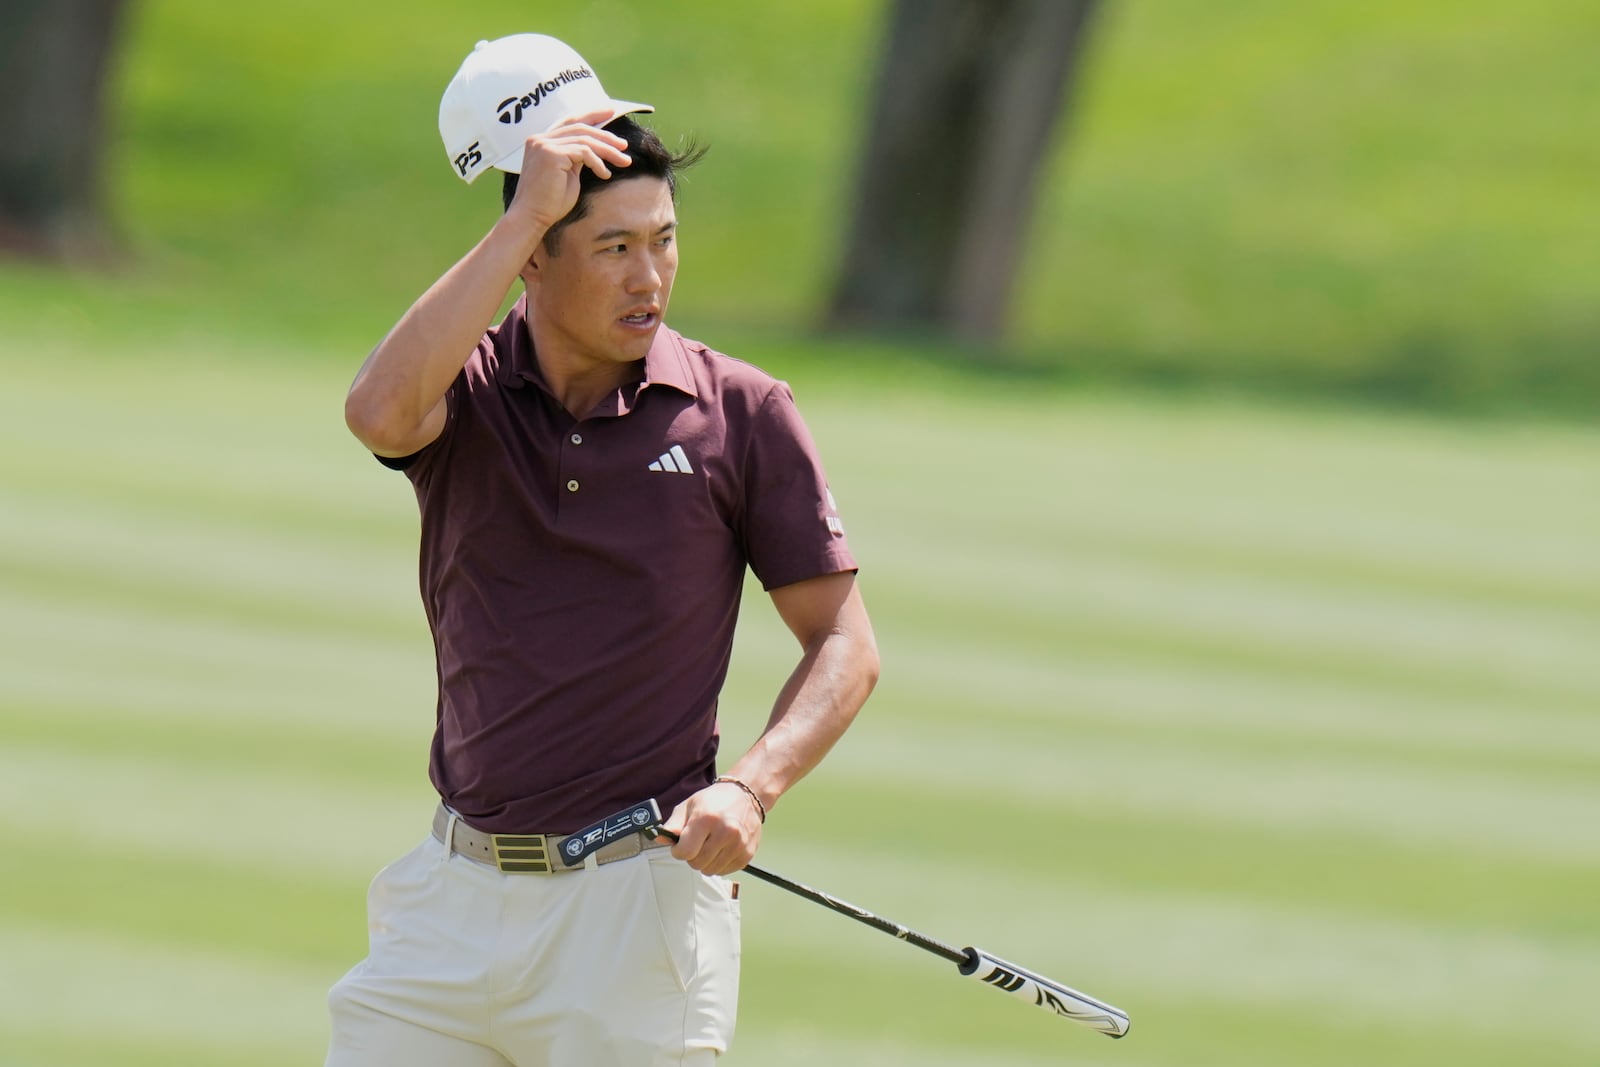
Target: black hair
(651,159)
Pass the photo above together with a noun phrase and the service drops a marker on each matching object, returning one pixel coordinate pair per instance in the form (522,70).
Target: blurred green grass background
(1274,725)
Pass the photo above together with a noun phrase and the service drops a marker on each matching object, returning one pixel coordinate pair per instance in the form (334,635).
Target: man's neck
(578,383)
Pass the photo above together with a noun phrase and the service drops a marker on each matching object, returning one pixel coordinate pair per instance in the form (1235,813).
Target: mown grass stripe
(276,456)
(990,664)
(53,642)
(1117,475)
(237,820)
(937,676)
(59,980)
(92,545)
(1045,632)
(1488,812)
(1434,882)
(335,748)
(165,700)
(1040,597)
(202,589)
(933,678)
(342,504)
(1222,506)
(1091,535)
(206,589)
(1111,583)
(301,915)
(59,1046)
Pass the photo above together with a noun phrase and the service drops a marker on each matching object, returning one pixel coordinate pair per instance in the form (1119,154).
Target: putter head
(577,847)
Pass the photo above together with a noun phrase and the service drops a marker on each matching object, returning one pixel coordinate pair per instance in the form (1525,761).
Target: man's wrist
(521,233)
(728,779)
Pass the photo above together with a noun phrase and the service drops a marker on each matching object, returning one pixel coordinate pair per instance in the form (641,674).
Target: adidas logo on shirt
(673,461)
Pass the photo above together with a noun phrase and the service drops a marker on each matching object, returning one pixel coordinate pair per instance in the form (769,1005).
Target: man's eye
(664,242)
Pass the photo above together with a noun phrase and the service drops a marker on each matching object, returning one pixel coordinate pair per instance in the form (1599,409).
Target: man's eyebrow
(615,232)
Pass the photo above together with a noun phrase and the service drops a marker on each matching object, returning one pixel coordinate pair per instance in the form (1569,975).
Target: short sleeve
(453,399)
(791,528)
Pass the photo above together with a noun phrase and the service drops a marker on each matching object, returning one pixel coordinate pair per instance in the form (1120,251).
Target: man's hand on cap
(553,161)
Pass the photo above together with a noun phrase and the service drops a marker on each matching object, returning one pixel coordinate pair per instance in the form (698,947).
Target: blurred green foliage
(1381,201)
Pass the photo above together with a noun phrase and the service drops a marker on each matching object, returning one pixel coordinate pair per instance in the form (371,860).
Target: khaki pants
(633,964)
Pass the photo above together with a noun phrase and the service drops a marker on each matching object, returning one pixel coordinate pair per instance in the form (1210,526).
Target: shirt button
(572,486)
(577,438)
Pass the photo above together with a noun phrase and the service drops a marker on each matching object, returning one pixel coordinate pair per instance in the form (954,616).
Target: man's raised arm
(396,404)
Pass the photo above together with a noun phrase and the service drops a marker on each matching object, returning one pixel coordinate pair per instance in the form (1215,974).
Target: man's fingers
(726,861)
(591,159)
(600,155)
(577,153)
(599,148)
(590,125)
(566,135)
(701,849)
(673,824)
(712,860)
(689,844)
(597,118)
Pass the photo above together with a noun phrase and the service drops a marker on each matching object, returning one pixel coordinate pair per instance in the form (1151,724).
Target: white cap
(509,89)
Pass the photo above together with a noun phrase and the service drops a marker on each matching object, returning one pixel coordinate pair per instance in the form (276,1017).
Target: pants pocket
(700,927)
(394,889)
(673,889)
(714,995)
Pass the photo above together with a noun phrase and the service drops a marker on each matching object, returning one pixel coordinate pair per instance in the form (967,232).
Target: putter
(1027,986)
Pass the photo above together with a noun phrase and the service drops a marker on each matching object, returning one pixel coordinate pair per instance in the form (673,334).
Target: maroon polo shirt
(582,576)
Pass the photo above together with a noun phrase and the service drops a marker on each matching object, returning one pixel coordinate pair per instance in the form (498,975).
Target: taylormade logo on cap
(509,89)
(511,109)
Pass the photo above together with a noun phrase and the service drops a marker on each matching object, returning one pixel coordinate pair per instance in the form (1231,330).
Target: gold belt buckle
(522,853)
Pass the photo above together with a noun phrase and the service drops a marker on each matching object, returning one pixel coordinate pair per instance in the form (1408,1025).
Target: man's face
(602,297)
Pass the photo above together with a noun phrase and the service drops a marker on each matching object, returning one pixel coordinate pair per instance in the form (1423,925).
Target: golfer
(592,486)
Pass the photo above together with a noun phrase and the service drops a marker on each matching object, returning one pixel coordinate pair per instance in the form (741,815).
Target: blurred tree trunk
(53,62)
(968,94)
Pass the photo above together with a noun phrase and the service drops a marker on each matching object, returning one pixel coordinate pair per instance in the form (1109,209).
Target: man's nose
(644,276)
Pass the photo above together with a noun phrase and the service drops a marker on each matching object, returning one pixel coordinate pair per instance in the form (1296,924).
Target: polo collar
(666,363)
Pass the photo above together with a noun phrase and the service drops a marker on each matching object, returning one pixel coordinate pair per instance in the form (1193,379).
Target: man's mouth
(640,319)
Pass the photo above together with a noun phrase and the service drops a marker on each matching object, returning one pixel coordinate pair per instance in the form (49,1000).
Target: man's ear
(530,270)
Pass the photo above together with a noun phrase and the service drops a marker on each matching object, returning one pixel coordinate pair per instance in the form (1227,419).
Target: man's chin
(633,342)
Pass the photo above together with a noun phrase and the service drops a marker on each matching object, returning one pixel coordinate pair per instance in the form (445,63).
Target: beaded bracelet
(761,809)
